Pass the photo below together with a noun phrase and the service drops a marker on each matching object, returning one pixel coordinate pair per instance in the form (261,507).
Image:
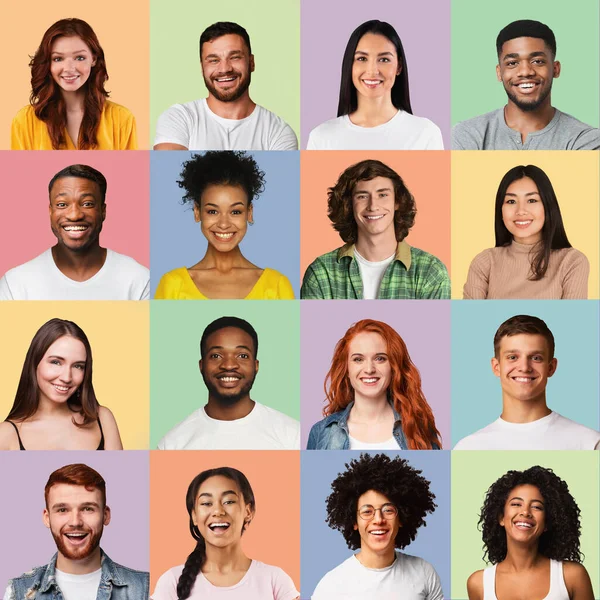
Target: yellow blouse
(116,130)
(178,285)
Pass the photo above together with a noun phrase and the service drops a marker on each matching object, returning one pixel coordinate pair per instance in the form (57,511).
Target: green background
(475,26)
(176,385)
(474,472)
(274,30)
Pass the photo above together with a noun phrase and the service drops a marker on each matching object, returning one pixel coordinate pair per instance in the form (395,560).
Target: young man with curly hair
(373,211)
(378,504)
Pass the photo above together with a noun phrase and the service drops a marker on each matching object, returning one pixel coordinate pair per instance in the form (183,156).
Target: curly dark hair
(221,168)
(560,541)
(339,200)
(392,477)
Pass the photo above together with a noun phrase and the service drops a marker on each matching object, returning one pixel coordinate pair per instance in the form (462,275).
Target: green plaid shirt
(413,274)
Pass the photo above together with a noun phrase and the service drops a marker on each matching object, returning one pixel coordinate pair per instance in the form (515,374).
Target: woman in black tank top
(56,382)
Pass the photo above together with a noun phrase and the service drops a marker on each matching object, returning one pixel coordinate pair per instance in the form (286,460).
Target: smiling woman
(221,505)
(55,406)
(222,186)
(69,109)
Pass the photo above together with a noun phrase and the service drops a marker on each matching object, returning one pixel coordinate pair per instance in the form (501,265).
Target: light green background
(176,386)
(475,26)
(474,472)
(274,30)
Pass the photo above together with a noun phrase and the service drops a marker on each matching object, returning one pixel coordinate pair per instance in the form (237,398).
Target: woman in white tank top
(530,528)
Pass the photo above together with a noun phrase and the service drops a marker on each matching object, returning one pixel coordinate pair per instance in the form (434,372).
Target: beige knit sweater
(502,273)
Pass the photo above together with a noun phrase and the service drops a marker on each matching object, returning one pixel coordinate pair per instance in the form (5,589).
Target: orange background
(426,174)
(273,537)
(123,31)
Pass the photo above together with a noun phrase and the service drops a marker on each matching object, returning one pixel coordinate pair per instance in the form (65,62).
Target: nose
(229,362)
(75,519)
(223,222)
(218,510)
(380,518)
(524,364)
(525,69)
(371,202)
(74,212)
(65,374)
(373,66)
(369,366)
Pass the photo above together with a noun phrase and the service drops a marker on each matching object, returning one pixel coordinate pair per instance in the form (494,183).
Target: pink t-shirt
(261,582)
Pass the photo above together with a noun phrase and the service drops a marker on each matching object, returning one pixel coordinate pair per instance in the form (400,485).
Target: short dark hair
(221,168)
(216,30)
(222,323)
(560,540)
(392,477)
(77,474)
(520,324)
(526,28)
(348,99)
(82,172)
(339,200)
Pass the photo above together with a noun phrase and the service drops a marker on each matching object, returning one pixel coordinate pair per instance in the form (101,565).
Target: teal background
(474,472)
(476,398)
(176,386)
(274,30)
(475,26)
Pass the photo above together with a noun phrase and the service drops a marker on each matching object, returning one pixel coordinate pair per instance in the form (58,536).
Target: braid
(192,567)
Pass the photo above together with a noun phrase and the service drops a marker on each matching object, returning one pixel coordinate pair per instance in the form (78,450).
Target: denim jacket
(116,583)
(332,432)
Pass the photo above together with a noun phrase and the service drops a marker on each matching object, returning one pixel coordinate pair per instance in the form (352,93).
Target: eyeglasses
(367,512)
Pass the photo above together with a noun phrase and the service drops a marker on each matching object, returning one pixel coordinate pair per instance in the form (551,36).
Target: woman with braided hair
(221,506)
(530,528)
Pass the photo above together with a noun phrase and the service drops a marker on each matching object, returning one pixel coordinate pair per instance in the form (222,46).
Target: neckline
(546,597)
(235,585)
(204,297)
(376,127)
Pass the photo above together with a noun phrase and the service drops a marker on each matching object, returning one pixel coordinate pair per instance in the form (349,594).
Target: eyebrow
(63,358)
(521,352)
(521,499)
(226,493)
(527,194)
(75,52)
(531,55)
(82,195)
(387,53)
(231,205)
(65,505)
(367,191)
(241,347)
(214,55)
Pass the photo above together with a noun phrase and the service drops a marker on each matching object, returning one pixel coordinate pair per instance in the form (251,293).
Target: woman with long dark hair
(374,111)
(69,107)
(530,528)
(221,505)
(533,258)
(55,406)
(374,395)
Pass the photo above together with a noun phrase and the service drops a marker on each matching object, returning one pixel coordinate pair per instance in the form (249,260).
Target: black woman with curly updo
(378,503)
(530,528)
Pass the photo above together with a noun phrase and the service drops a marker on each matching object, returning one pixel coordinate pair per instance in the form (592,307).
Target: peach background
(273,537)
(119,337)
(123,31)
(25,177)
(425,173)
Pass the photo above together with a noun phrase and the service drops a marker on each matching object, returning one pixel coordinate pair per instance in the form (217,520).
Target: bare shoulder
(577,581)
(105,415)
(574,571)
(112,438)
(475,585)
(8,437)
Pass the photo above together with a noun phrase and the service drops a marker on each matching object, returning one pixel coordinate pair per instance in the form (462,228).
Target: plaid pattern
(413,274)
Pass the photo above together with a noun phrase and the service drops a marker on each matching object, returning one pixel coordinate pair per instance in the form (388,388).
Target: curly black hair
(221,168)
(560,541)
(395,479)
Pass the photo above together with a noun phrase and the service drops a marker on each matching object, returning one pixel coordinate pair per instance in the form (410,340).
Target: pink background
(25,225)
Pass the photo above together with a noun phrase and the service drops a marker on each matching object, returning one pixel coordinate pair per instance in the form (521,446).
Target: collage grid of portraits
(413,374)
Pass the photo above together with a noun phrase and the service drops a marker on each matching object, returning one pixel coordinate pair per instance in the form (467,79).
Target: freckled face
(369,368)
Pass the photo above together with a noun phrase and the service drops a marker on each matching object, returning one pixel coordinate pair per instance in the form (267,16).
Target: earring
(250,222)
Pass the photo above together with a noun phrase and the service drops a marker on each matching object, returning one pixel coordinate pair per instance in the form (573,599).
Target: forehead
(367,341)
(523,46)
(375,43)
(224,195)
(64,493)
(524,342)
(372,185)
(74,186)
(67,347)
(525,491)
(374,498)
(67,44)
(230,42)
(230,337)
(216,485)
(525,185)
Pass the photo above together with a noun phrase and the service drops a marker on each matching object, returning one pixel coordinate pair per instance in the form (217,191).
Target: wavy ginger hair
(405,393)
(46,97)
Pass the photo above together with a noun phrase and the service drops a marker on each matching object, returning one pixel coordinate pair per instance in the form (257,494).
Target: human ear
(46,518)
(552,367)
(197,215)
(498,73)
(495,366)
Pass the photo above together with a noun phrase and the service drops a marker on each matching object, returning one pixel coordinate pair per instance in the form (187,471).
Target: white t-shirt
(408,577)
(261,582)
(402,132)
(196,127)
(390,444)
(552,432)
(73,587)
(120,278)
(371,273)
(263,429)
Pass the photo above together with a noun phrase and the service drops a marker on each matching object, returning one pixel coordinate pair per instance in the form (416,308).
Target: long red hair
(405,393)
(46,97)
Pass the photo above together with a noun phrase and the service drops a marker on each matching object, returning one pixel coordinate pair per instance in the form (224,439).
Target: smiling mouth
(62,389)
(524,379)
(75,227)
(70,79)
(76,538)
(369,380)
(374,217)
(378,532)
(219,527)
(228,79)
(223,237)
(523,525)
(523,224)
(372,82)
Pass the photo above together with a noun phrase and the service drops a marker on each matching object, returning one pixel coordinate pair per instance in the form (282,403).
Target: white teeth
(378,532)
(229,379)
(213,526)
(76,535)
(523,379)
(526,85)
(226,79)
(371,81)
(61,388)
(74,228)
(370,379)
(522,222)
(374,217)
(224,236)
(524,525)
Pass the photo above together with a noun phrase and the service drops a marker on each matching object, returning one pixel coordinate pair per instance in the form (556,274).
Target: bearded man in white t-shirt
(227,119)
(524,361)
(76,514)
